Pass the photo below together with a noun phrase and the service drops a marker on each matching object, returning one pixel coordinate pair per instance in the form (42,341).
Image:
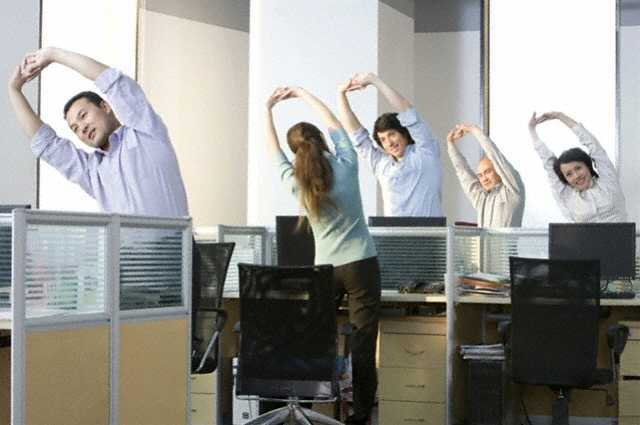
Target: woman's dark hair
(89,95)
(389,121)
(571,155)
(312,170)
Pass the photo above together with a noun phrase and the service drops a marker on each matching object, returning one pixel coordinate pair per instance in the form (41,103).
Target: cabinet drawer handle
(414,353)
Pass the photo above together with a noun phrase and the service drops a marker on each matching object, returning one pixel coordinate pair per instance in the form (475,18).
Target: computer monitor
(614,244)
(8,208)
(380,221)
(295,246)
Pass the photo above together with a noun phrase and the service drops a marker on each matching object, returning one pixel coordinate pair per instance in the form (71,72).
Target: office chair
(288,340)
(554,329)
(211,261)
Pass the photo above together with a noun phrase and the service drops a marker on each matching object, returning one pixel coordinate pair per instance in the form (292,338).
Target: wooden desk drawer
(203,409)
(630,360)
(414,325)
(409,413)
(204,384)
(402,384)
(629,396)
(412,351)
(634,330)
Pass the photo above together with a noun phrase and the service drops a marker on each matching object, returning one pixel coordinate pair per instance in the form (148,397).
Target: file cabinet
(412,370)
(629,382)
(203,399)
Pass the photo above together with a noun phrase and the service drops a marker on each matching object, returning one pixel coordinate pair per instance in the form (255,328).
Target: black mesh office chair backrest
(210,265)
(288,332)
(555,313)
(214,258)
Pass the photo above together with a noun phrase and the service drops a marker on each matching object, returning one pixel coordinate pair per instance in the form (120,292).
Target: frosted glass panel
(150,268)
(64,269)
(407,258)
(250,243)
(5,264)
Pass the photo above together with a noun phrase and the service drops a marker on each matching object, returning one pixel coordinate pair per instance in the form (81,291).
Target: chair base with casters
(293,413)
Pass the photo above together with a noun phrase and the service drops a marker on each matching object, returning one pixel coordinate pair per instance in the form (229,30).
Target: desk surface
(5,319)
(389,296)
(488,299)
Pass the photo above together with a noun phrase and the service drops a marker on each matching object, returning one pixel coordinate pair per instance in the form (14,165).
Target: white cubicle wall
(100,318)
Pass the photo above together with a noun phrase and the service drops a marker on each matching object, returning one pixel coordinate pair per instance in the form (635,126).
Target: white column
(315,46)
(19,34)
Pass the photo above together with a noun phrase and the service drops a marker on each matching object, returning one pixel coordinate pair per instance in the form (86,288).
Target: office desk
(470,324)
(5,321)
(495,300)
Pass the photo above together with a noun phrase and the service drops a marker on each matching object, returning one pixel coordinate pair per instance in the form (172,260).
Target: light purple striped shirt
(139,174)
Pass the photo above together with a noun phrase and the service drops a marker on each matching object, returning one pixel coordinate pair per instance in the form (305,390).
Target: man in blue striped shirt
(133,168)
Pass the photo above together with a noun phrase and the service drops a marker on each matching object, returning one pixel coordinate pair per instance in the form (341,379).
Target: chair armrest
(504,328)
(617,336)
(347,329)
(221,318)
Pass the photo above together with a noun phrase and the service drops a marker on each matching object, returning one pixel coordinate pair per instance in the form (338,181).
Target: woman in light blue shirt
(327,187)
(406,160)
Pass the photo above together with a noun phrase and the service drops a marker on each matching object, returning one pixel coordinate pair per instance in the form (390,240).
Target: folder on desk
(484,283)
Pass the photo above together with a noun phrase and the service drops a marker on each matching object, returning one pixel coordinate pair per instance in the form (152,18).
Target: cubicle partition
(433,255)
(100,318)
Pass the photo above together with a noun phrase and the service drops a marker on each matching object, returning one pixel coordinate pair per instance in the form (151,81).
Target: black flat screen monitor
(295,247)
(8,208)
(614,244)
(380,221)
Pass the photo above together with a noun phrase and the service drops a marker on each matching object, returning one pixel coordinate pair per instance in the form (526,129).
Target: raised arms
(397,101)
(36,61)
(27,118)
(282,93)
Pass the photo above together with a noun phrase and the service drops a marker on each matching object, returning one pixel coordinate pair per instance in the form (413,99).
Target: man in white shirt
(495,189)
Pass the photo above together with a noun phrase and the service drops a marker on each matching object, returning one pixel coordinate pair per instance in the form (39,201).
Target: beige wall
(447,86)
(196,76)
(396,62)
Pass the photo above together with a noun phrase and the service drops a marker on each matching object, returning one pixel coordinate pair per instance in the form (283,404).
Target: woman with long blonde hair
(327,187)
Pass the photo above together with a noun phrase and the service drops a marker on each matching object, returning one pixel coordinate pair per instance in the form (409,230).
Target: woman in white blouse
(583,194)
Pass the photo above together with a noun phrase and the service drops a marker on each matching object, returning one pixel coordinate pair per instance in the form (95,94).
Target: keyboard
(620,295)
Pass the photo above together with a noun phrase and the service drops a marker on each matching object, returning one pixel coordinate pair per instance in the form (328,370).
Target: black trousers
(360,281)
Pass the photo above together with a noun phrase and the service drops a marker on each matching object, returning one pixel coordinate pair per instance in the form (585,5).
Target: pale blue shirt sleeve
(420,132)
(344,148)
(130,104)
(285,170)
(73,163)
(366,149)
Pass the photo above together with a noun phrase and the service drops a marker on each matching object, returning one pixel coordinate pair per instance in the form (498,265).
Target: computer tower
(489,393)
